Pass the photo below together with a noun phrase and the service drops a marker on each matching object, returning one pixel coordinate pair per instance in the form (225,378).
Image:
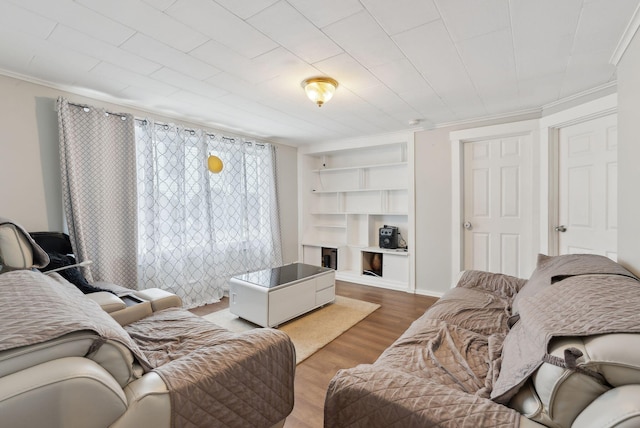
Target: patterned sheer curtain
(197,229)
(98,167)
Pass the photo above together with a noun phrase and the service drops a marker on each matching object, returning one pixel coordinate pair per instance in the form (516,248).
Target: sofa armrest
(71,392)
(618,407)
(149,404)
(160,299)
(109,302)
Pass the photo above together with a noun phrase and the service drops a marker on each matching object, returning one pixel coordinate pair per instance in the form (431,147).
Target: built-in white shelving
(347,194)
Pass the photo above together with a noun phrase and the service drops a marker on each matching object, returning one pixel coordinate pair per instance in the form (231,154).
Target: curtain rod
(166,125)
(88,107)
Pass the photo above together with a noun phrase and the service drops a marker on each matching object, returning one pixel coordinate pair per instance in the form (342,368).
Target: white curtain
(98,167)
(197,229)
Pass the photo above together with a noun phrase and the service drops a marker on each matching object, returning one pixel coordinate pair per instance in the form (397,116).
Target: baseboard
(429,293)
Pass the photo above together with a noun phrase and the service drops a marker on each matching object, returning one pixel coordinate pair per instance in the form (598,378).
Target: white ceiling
(238,64)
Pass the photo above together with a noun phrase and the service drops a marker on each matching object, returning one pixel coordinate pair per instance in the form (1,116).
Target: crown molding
(626,37)
(510,115)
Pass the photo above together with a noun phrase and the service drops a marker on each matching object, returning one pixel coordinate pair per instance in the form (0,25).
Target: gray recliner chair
(69,359)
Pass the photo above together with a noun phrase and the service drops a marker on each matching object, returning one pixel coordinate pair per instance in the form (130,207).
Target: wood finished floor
(361,344)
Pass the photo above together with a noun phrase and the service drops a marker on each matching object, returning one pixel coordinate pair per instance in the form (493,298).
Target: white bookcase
(348,191)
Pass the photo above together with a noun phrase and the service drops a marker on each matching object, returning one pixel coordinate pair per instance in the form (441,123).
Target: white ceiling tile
(272,64)
(220,56)
(179,80)
(87,21)
(160,53)
(328,12)
(533,24)
(542,59)
(540,90)
(425,101)
(594,31)
(150,21)
(160,4)
(371,45)
(69,38)
(62,67)
(581,73)
(233,84)
(119,74)
(382,98)
(16,57)
(466,19)
(285,25)
(489,60)
(433,53)
(16,18)
(219,24)
(90,85)
(401,15)
(245,9)
(401,76)
(348,72)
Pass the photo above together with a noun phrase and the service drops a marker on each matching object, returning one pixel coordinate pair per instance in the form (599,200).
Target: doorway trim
(549,154)
(458,138)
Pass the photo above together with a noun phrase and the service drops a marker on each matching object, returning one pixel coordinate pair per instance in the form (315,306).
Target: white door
(587,188)
(497,206)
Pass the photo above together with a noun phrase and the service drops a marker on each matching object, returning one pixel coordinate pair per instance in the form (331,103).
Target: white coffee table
(272,296)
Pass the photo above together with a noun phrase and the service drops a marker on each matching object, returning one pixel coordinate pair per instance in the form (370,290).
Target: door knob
(467,225)
(560,228)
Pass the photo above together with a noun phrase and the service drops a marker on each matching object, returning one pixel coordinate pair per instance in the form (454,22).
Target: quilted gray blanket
(440,372)
(581,305)
(38,307)
(216,377)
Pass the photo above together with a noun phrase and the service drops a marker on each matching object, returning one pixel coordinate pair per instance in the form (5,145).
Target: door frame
(458,138)
(549,166)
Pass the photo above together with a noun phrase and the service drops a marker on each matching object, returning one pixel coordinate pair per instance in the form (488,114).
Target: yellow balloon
(214,163)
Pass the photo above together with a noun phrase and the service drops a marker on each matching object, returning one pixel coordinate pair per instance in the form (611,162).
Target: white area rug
(308,332)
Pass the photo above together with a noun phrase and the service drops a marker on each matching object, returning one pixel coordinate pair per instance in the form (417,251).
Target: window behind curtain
(197,229)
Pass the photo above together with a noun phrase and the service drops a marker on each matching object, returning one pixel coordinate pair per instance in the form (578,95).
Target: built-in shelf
(351,194)
(355,167)
(359,190)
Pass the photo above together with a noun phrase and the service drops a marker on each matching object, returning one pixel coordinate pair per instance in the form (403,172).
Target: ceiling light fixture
(319,89)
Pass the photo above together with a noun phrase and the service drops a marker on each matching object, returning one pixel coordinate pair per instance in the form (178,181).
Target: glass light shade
(214,163)
(319,89)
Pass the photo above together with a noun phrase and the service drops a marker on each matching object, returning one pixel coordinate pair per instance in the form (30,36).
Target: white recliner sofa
(69,359)
(559,350)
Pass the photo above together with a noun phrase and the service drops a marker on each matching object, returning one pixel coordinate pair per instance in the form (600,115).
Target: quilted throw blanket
(440,372)
(581,305)
(216,377)
(38,307)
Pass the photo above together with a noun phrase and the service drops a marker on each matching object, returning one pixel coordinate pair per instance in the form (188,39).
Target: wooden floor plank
(361,344)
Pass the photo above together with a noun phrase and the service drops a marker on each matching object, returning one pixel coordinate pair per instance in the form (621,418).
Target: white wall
(31,193)
(629,157)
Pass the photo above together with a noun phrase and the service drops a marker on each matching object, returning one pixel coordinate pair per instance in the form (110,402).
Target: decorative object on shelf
(214,164)
(376,263)
(319,89)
